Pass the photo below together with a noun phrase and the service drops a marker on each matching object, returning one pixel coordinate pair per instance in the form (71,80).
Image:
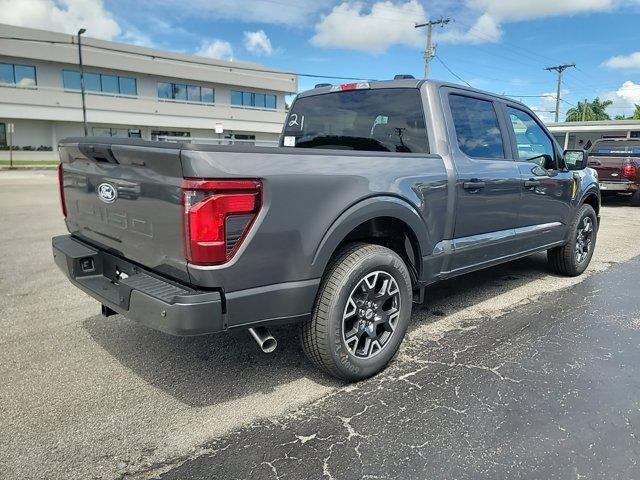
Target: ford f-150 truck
(617,161)
(377,190)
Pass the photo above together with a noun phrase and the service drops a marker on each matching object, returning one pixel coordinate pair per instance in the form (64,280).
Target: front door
(547,189)
(488,190)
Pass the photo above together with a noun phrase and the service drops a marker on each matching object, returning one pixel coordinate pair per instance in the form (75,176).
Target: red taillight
(629,170)
(63,205)
(217,217)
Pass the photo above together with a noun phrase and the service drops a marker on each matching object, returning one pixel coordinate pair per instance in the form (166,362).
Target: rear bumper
(606,186)
(139,295)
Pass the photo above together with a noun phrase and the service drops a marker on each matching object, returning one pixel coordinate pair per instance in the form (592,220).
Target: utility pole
(559,69)
(584,110)
(430,49)
(84,106)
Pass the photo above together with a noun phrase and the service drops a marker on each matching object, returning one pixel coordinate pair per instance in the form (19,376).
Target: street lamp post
(84,107)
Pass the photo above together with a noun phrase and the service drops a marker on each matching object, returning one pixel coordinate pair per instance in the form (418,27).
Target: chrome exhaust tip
(264,339)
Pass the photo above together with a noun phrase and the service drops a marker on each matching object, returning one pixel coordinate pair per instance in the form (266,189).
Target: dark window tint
(110,84)
(128,86)
(165,90)
(531,140)
(3,134)
(388,120)
(477,128)
(25,75)
(616,149)
(207,95)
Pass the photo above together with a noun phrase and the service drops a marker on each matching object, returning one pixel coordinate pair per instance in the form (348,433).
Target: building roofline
(46,36)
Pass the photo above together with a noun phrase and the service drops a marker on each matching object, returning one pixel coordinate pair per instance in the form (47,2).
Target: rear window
(386,120)
(615,150)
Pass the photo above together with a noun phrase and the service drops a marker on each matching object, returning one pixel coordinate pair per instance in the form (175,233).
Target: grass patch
(29,163)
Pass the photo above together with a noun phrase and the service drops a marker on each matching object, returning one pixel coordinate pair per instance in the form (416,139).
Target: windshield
(616,149)
(387,120)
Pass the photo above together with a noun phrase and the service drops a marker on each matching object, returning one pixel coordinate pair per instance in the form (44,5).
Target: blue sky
(497,45)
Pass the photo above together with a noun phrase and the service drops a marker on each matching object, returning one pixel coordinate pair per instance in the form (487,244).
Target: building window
(97,82)
(185,93)
(251,99)
(3,135)
(240,138)
(19,75)
(116,132)
(164,133)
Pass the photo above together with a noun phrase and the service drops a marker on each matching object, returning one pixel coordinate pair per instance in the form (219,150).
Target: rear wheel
(573,258)
(635,199)
(361,313)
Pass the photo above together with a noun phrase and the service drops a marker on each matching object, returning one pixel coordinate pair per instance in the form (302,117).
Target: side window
(477,127)
(532,141)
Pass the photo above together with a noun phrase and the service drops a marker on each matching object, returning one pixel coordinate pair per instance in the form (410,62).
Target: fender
(368,209)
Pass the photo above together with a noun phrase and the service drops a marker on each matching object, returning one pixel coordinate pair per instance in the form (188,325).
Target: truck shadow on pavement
(209,370)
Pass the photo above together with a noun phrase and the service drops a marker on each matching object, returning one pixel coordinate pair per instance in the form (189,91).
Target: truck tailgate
(608,168)
(126,199)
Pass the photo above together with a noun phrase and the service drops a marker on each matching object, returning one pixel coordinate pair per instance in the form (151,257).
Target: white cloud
(631,61)
(66,16)
(350,25)
(258,43)
(624,98)
(219,49)
(494,13)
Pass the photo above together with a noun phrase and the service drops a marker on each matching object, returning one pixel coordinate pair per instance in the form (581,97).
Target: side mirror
(575,159)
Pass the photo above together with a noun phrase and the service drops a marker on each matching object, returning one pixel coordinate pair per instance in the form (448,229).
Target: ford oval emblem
(107,193)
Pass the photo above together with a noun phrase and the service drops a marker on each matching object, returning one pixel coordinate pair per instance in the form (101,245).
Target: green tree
(636,113)
(589,111)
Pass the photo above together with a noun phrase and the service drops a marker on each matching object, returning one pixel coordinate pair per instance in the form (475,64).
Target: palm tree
(600,109)
(636,113)
(589,111)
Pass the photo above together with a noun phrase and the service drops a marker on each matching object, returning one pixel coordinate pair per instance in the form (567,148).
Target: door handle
(594,162)
(473,185)
(531,183)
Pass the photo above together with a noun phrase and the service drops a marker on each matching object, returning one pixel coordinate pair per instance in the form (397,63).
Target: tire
(346,354)
(635,199)
(572,259)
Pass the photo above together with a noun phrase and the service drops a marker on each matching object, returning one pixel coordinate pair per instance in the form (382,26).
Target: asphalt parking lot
(87,397)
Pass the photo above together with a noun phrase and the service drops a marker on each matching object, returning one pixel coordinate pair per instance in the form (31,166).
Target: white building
(583,134)
(130,92)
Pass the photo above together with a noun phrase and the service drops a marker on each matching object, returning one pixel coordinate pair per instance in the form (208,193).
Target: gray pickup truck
(377,190)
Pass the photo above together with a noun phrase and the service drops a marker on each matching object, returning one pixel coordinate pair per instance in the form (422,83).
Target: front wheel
(361,313)
(573,258)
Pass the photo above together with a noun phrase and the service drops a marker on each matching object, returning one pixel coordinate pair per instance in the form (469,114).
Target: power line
(452,72)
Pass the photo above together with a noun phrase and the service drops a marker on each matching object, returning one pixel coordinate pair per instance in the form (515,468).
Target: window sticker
(289,141)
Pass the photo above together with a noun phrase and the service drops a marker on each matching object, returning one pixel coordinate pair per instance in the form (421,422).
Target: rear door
(547,189)
(488,187)
(125,198)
